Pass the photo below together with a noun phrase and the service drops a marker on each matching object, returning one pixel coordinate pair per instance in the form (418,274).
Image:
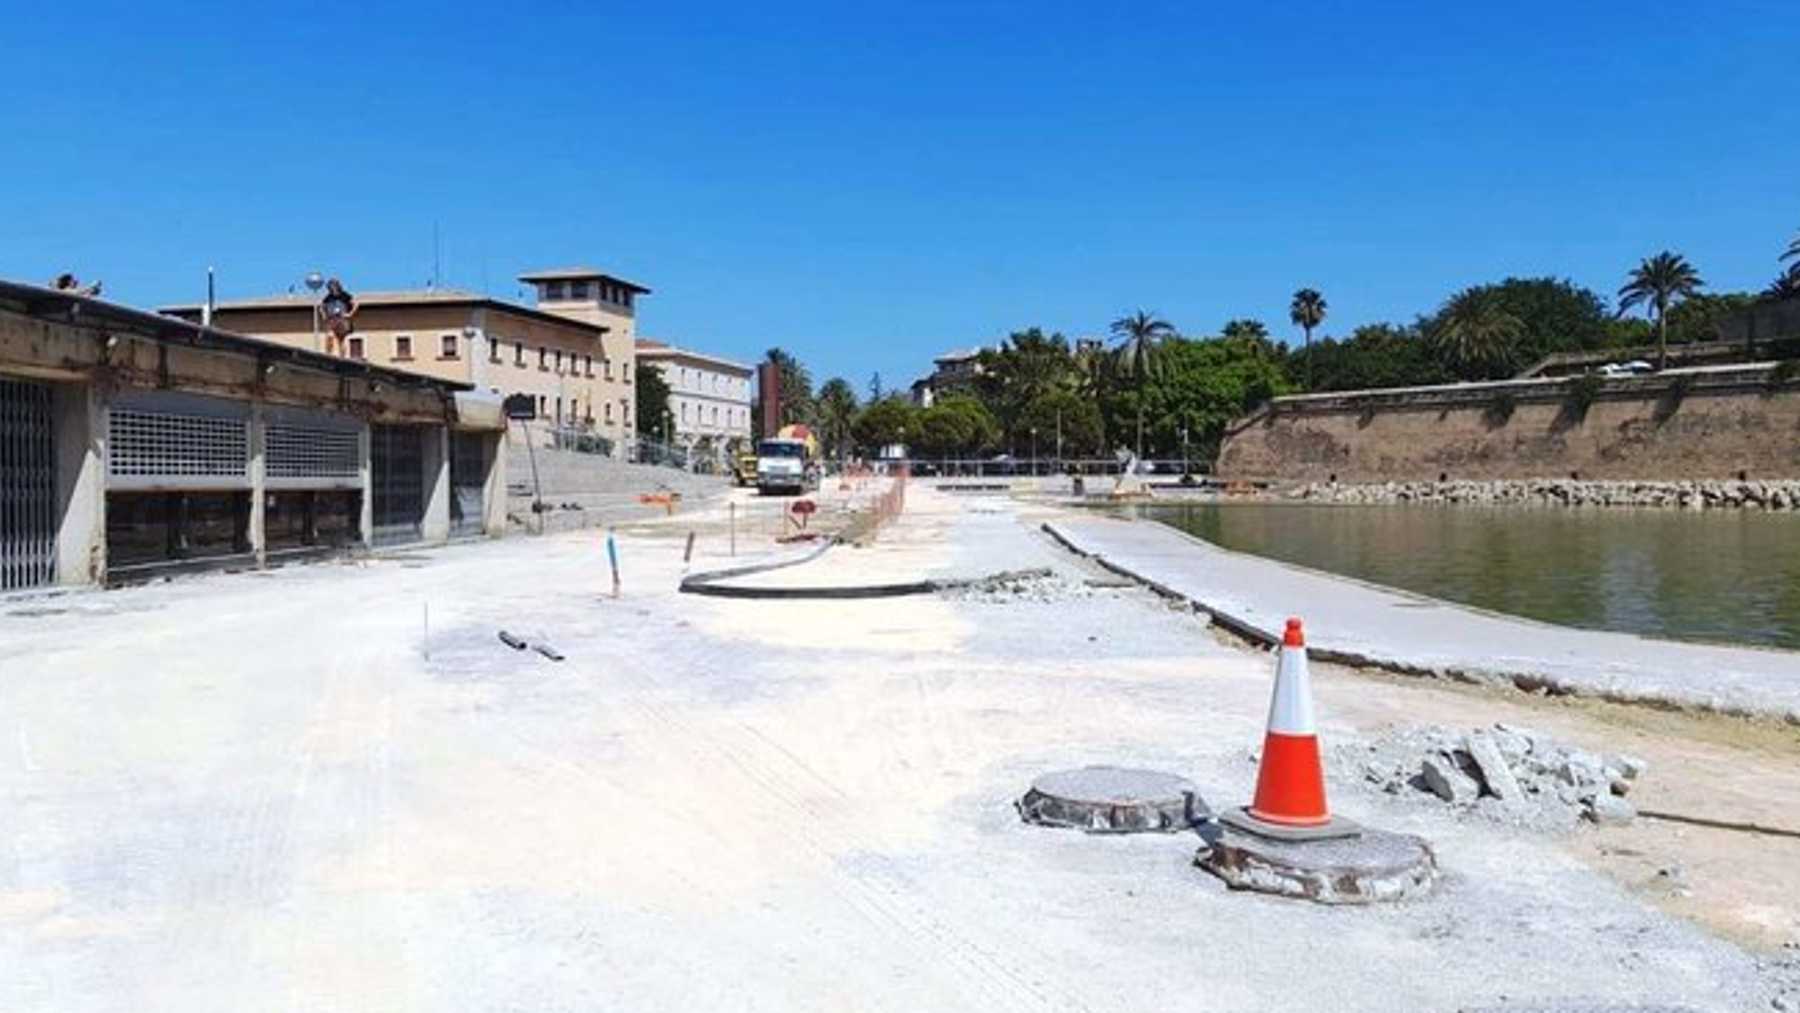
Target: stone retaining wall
(1680,425)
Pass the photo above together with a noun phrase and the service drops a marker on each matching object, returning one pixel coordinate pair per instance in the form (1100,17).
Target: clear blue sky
(869,188)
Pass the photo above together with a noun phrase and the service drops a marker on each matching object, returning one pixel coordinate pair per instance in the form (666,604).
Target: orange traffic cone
(1290,782)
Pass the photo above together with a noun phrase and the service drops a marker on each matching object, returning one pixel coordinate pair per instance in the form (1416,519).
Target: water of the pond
(1725,576)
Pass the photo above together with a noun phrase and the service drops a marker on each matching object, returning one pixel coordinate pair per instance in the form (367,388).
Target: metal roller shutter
(28,518)
(306,450)
(162,440)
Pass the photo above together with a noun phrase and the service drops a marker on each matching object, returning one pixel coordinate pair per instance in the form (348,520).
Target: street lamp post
(1034,466)
(1184,453)
(314,282)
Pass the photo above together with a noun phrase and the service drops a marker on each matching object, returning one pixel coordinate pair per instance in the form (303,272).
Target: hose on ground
(709,583)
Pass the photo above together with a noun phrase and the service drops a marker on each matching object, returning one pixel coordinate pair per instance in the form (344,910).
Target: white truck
(788,462)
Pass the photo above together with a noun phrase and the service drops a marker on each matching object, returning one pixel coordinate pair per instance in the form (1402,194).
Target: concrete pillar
(259,499)
(366,478)
(79,417)
(493,493)
(434,527)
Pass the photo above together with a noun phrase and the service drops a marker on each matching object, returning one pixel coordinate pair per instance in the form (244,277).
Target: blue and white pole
(612,556)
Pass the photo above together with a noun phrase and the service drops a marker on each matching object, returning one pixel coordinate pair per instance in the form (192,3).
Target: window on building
(402,346)
(355,347)
(625,374)
(715,415)
(559,360)
(553,290)
(587,363)
(518,353)
(543,405)
(493,349)
(609,413)
(447,347)
(626,300)
(578,290)
(684,411)
(608,364)
(543,358)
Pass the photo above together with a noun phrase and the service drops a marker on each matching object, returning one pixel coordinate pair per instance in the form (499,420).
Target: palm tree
(836,411)
(1474,334)
(1307,311)
(1659,282)
(1140,340)
(1793,252)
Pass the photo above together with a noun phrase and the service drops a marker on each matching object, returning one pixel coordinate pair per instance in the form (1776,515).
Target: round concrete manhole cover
(1370,867)
(1112,800)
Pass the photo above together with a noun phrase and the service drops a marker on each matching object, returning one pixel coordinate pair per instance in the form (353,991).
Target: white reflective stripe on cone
(1291,709)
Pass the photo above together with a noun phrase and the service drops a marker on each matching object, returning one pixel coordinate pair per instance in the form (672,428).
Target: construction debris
(1506,773)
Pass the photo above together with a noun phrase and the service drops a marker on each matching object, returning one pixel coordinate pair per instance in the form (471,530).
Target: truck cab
(784,466)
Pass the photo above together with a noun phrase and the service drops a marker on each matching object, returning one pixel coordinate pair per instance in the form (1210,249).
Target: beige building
(709,397)
(572,352)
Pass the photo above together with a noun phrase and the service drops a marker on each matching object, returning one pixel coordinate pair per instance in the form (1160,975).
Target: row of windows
(720,382)
(733,416)
(574,413)
(581,291)
(448,348)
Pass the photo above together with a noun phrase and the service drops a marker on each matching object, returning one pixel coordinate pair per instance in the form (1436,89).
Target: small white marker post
(612,556)
(687,555)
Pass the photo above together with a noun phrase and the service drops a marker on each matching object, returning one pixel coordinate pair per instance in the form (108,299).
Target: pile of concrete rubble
(1691,495)
(1506,773)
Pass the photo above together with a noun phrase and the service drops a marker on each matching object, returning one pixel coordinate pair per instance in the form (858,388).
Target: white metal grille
(303,452)
(159,445)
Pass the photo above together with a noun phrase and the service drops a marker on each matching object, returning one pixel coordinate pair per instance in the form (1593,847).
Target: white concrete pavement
(1362,622)
(276,791)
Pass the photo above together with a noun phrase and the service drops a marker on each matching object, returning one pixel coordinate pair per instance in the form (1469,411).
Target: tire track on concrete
(887,900)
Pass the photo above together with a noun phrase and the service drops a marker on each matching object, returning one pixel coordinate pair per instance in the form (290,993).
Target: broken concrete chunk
(1447,781)
(1491,766)
(1610,810)
(1632,766)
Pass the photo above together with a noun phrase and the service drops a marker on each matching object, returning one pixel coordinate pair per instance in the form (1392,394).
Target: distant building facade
(952,371)
(709,396)
(573,352)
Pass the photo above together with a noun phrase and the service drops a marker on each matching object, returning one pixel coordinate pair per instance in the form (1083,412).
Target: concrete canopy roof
(66,307)
(581,274)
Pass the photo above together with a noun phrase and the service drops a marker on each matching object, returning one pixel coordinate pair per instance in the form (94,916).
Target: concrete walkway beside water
(1362,623)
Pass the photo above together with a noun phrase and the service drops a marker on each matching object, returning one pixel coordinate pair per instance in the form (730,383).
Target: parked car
(1635,367)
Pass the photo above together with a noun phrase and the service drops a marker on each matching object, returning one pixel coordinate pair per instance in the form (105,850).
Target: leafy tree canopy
(652,399)
(890,420)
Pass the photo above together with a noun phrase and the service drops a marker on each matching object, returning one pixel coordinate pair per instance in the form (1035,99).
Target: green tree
(956,426)
(1785,286)
(1792,252)
(652,407)
(1137,359)
(1697,318)
(1475,335)
(1061,412)
(1374,356)
(1307,311)
(1202,386)
(1028,365)
(796,386)
(875,386)
(890,420)
(1658,282)
(834,413)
